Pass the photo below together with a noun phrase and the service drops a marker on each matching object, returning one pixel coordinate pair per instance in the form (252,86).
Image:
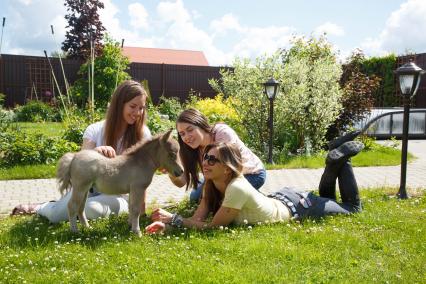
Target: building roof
(166,56)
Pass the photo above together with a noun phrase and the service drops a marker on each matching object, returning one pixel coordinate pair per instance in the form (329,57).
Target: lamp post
(271,89)
(409,79)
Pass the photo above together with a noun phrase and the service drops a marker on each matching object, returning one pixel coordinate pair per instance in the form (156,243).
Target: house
(165,56)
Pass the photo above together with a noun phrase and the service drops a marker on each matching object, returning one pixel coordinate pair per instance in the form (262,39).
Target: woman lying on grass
(232,199)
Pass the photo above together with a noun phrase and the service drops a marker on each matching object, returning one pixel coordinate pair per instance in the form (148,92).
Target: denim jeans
(256,180)
(309,205)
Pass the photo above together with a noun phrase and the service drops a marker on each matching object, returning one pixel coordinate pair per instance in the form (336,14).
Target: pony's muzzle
(178,173)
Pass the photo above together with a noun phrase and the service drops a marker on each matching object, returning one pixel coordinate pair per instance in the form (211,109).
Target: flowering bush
(219,109)
(308,101)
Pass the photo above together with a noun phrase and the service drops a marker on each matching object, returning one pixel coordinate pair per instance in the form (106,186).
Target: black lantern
(409,76)
(271,90)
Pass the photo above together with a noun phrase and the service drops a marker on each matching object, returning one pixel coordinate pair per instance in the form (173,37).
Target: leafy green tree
(110,67)
(84,25)
(358,94)
(308,99)
(383,68)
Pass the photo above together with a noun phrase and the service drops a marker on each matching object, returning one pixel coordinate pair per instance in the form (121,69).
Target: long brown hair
(229,155)
(125,92)
(190,157)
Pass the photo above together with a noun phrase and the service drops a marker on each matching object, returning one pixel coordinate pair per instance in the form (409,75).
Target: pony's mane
(142,144)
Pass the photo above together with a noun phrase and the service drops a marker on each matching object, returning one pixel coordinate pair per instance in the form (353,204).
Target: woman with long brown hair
(194,134)
(124,126)
(232,199)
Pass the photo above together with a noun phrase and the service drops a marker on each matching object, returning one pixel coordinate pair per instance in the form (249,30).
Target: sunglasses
(211,159)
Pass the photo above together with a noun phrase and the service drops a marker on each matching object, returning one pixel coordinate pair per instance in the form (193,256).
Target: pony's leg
(77,200)
(81,213)
(135,201)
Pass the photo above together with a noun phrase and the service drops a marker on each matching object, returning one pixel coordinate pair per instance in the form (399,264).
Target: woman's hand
(155,228)
(161,215)
(107,151)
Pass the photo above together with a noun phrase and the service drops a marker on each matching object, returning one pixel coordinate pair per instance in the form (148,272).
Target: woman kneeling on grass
(232,199)
(125,125)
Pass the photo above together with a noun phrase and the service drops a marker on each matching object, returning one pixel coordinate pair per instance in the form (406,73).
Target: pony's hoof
(138,233)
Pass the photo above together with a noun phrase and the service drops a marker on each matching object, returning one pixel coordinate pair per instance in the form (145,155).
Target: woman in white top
(194,134)
(124,126)
(232,199)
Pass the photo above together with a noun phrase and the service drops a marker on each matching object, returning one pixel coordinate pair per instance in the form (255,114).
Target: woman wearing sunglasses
(194,134)
(232,199)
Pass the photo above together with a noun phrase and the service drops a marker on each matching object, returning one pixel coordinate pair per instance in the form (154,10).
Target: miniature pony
(131,173)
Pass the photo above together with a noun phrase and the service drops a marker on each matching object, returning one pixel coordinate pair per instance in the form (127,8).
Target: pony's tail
(63,174)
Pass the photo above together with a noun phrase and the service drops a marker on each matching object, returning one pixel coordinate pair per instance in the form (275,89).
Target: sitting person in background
(124,126)
(194,134)
(232,199)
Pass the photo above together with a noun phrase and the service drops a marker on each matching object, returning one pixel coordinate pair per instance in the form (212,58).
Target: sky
(224,30)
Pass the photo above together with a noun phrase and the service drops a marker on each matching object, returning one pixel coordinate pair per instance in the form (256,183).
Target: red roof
(166,56)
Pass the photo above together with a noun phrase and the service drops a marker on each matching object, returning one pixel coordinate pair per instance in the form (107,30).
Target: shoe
(342,139)
(344,152)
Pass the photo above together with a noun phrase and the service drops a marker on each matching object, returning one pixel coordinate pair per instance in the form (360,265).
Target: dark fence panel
(23,78)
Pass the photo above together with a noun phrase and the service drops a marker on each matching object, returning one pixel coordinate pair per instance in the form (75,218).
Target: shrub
(309,101)
(357,99)
(107,66)
(36,111)
(77,122)
(170,106)
(21,148)
(218,109)
(157,123)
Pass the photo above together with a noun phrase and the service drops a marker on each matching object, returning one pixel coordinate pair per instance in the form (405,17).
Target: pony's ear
(167,135)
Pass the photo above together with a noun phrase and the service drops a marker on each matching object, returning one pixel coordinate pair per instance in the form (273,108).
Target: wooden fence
(23,78)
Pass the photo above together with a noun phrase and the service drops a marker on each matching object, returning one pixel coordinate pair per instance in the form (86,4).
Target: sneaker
(342,139)
(344,151)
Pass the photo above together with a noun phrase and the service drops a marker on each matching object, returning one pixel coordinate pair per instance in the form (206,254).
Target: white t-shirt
(251,163)
(95,132)
(253,205)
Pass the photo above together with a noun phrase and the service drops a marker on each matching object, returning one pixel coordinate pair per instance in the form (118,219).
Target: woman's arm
(107,151)
(223,217)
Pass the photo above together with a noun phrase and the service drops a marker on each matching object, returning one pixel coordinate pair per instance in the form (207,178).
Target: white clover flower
(249,227)
(220,227)
(53,269)
(104,238)
(245,221)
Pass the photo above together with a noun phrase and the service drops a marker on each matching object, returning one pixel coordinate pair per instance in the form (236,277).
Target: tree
(308,101)
(110,68)
(84,25)
(358,94)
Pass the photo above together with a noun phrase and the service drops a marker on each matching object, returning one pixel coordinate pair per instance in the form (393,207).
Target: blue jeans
(309,205)
(256,180)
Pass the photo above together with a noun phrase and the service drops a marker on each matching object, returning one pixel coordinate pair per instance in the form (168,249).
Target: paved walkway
(162,191)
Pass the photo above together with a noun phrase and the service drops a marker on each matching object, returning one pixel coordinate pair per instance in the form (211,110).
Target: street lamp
(271,90)
(409,79)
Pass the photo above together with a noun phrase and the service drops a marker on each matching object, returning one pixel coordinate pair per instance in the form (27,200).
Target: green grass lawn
(50,129)
(386,243)
(380,156)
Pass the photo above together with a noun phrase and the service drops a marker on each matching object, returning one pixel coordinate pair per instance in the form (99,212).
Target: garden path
(162,191)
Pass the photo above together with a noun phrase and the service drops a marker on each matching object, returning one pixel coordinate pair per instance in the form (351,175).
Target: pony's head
(168,156)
